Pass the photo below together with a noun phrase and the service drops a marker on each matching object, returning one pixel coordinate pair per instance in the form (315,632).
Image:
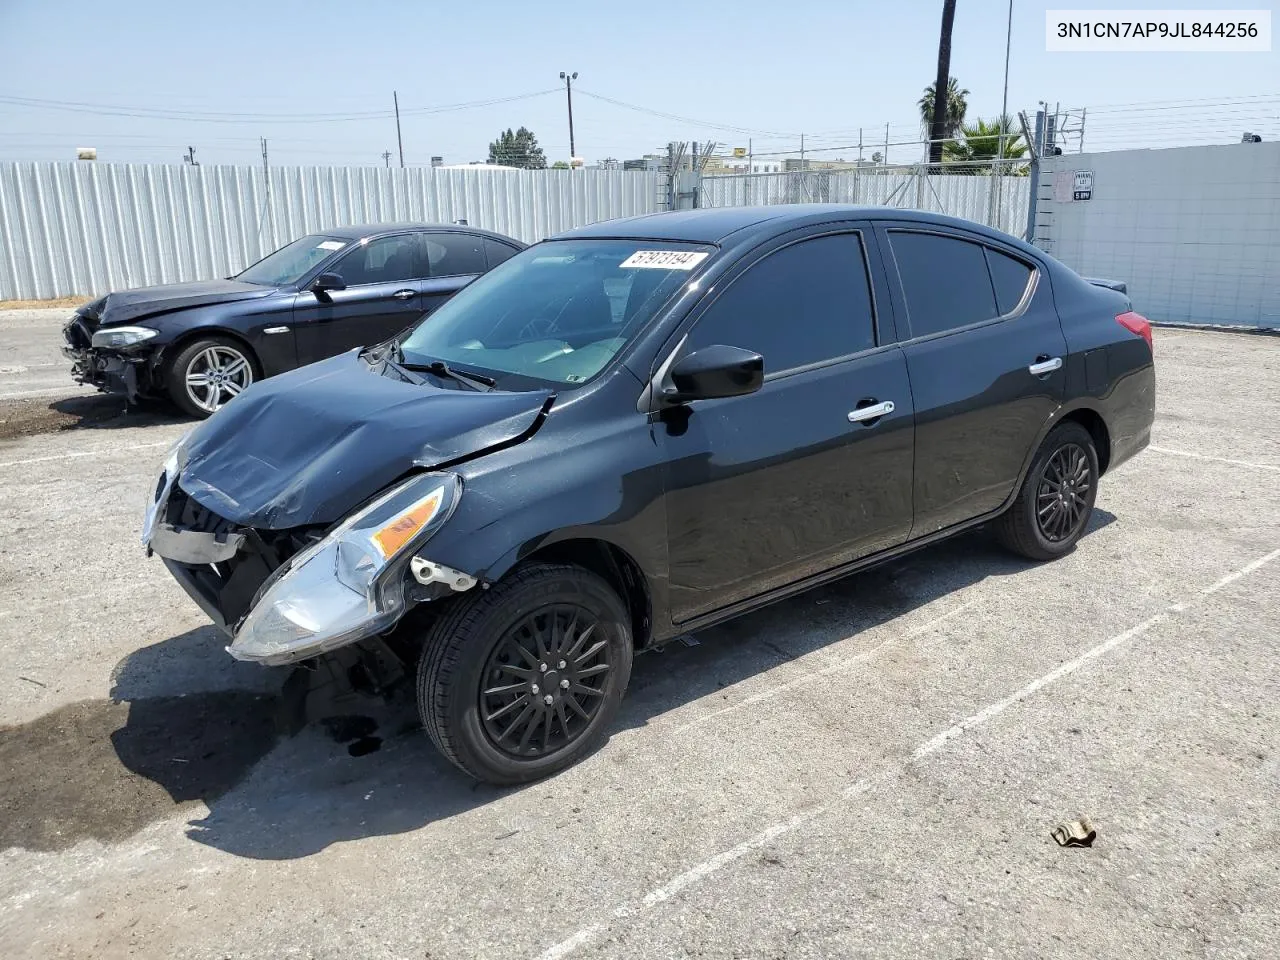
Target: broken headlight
(349,585)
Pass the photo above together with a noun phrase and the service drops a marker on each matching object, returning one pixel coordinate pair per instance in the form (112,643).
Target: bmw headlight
(117,337)
(350,585)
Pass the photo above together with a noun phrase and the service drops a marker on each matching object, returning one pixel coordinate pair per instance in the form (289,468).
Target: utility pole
(751,168)
(395,98)
(266,180)
(1004,118)
(802,151)
(886,145)
(190,157)
(568,79)
(386,156)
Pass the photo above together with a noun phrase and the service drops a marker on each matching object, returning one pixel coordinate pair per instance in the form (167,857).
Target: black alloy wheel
(523,679)
(1063,495)
(545,681)
(1052,508)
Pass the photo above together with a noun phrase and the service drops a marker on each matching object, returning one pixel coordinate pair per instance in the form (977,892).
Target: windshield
(559,311)
(291,263)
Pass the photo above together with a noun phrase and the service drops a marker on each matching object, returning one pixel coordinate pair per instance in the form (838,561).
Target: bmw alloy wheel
(215,375)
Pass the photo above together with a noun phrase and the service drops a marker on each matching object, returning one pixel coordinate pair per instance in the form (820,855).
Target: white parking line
(1204,456)
(721,860)
(87,453)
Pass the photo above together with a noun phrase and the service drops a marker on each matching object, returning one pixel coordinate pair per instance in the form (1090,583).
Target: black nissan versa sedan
(638,429)
(201,344)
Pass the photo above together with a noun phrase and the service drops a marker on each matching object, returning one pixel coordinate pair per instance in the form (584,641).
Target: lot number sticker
(663,260)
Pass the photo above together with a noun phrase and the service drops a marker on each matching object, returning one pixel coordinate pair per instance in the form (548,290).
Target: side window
(496,252)
(388,260)
(808,302)
(1010,278)
(454,254)
(945,281)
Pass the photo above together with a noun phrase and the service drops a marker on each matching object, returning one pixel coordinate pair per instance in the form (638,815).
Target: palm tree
(957,104)
(942,86)
(980,141)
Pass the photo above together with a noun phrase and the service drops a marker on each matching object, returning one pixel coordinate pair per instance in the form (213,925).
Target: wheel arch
(187,337)
(1092,421)
(605,559)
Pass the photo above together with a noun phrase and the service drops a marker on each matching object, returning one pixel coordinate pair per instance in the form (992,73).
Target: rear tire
(1054,505)
(521,680)
(209,372)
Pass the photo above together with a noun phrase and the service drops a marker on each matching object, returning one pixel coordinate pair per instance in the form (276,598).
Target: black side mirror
(326,282)
(715,371)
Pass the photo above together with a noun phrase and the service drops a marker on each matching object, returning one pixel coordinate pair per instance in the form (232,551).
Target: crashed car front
(286,596)
(118,359)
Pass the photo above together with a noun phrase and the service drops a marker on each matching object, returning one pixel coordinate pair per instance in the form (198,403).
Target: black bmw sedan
(636,430)
(200,344)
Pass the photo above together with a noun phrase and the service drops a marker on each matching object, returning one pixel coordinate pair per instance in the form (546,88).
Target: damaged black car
(201,344)
(637,430)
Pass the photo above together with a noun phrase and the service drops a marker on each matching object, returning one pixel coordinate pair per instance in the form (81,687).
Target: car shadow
(111,411)
(376,773)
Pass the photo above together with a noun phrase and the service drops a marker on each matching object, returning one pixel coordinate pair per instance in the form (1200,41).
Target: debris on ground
(1077,833)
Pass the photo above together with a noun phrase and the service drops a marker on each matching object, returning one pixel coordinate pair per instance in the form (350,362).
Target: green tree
(517,149)
(980,141)
(560,165)
(957,104)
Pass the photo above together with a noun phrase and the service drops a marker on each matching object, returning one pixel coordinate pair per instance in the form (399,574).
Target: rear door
(768,489)
(985,351)
(454,259)
(384,279)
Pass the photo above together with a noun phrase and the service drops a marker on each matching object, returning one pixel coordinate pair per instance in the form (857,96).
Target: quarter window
(803,304)
(496,253)
(945,281)
(387,260)
(1009,277)
(454,254)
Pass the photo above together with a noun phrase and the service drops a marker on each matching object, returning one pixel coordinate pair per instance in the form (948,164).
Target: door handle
(873,412)
(1045,364)
(405,294)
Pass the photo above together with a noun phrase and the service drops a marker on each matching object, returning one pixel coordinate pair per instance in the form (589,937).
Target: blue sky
(772,69)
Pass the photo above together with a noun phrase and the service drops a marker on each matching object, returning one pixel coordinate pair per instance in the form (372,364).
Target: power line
(152,113)
(680,119)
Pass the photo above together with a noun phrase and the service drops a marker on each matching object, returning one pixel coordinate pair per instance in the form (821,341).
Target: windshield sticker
(330,245)
(664,260)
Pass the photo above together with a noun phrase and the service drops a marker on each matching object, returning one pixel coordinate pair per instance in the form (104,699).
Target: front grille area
(229,587)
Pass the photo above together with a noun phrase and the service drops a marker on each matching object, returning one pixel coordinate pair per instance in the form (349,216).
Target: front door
(767,489)
(985,352)
(383,295)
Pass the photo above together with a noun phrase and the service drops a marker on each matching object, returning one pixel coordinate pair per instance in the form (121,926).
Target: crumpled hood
(126,306)
(308,446)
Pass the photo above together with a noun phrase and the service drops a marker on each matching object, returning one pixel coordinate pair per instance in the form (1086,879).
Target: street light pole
(568,79)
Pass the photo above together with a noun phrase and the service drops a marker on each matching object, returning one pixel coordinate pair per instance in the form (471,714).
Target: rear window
(945,281)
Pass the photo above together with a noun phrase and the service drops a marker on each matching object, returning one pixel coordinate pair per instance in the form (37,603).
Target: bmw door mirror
(326,282)
(712,372)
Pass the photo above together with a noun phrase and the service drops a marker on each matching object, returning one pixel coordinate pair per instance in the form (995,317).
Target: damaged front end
(285,596)
(113,360)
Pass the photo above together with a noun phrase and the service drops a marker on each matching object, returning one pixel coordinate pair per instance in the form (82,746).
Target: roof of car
(359,230)
(715,224)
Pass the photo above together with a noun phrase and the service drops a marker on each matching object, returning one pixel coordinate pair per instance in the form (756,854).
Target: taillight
(1137,323)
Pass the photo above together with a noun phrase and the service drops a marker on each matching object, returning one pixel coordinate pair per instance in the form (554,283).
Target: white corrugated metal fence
(88,227)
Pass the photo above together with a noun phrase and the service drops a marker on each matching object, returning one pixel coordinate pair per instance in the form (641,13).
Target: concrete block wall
(1195,231)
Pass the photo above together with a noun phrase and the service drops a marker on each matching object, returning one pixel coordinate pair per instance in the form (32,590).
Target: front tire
(1053,507)
(208,373)
(524,679)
